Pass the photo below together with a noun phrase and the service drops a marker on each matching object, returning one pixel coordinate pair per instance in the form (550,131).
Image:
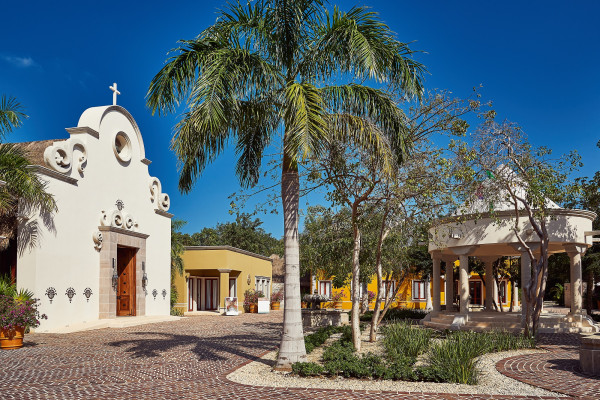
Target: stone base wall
(320,318)
(589,354)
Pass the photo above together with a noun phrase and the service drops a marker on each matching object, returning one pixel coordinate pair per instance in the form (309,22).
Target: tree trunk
(292,341)
(355,282)
(376,310)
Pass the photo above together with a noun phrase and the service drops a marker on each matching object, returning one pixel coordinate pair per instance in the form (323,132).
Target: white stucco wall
(67,257)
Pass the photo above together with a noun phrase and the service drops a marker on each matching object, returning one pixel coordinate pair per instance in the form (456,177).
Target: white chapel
(106,252)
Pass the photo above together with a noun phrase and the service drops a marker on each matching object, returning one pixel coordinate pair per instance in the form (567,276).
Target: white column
(436,282)
(514,293)
(450,284)
(490,282)
(463,259)
(428,303)
(575,252)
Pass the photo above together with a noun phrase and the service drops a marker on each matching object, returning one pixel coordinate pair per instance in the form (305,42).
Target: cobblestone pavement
(186,359)
(557,370)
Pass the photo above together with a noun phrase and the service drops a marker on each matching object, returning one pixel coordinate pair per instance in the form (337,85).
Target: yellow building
(412,291)
(212,273)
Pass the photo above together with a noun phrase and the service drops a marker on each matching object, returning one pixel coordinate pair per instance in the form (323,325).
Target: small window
(325,288)
(262,285)
(122,147)
(418,290)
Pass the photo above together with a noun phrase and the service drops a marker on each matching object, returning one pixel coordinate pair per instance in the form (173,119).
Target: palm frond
(363,133)
(256,121)
(23,184)
(11,115)
(305,123)
(358,43)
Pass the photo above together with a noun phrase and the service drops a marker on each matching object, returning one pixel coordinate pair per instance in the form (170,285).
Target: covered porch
(208,288)
(570,231)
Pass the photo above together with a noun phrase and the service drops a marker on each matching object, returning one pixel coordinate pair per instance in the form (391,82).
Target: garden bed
(445,357)
(260,373)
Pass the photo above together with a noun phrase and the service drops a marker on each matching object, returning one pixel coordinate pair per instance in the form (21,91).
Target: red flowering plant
(276,297)
(19,314)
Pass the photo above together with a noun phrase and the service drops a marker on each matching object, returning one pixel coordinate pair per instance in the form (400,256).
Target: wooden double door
(126,288)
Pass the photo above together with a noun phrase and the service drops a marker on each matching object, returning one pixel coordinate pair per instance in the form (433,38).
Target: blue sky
(537,60)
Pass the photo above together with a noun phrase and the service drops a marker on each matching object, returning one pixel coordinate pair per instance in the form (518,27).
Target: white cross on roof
(115,93)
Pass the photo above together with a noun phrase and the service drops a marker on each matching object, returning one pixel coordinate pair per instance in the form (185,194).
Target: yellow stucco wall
(214,261)
(404,298)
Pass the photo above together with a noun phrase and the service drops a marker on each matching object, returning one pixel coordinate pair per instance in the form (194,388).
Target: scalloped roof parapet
(92,118)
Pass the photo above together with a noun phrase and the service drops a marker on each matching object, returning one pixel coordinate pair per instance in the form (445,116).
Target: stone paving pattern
(186,359)
(557,370)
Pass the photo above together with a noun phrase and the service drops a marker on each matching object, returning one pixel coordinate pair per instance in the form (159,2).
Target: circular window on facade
(122,147)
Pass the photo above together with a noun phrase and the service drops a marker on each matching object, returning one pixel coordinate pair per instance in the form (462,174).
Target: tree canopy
(245,233)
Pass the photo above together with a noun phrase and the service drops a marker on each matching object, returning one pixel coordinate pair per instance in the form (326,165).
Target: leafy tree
(264,68)
(508,171)
(245,233)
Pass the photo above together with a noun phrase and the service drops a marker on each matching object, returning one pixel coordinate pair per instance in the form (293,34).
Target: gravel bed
(259,373)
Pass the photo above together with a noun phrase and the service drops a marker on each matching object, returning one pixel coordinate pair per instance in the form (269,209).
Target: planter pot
(11,339)
(253,308)
(337,305)
(275,305)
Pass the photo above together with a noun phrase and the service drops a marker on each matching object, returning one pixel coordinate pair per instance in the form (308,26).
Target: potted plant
(337,299)
(276,298)
(250,301)
(16,316)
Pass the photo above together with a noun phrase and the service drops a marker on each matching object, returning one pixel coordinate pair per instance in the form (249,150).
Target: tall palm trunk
(292,343)
(355,281)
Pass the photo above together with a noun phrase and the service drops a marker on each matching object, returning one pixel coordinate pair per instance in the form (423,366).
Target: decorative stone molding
(161,200)
(59,156)
(118,219)
(97,237)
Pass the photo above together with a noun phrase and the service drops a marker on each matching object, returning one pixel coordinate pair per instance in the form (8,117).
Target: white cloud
(20,62)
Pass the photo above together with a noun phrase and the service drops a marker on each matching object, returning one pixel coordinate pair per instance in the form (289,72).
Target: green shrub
(177,312)
(319,337)
(307,369)
(400,368)
(405,341)
(453,360)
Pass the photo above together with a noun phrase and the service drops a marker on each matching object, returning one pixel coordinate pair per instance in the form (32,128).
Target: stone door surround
(112,238)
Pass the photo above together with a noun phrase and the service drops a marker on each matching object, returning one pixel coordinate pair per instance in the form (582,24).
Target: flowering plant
(276,297)
(19,314)
(370,296)
(250,297)
(338,296)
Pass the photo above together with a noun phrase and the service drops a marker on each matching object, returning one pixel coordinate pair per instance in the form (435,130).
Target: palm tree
(22,191)
(266,67)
